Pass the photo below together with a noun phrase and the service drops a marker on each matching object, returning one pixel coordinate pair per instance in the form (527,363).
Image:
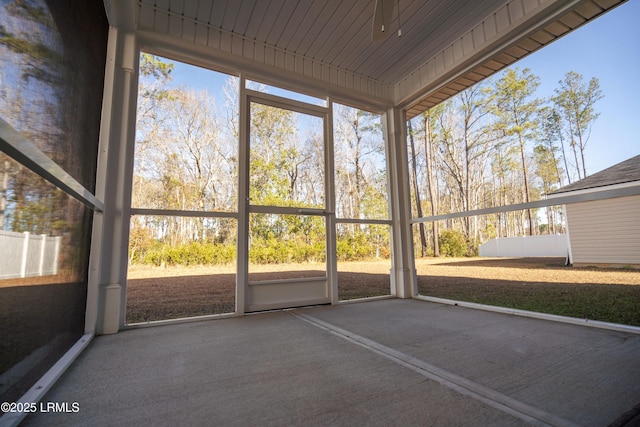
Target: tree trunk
(431,182)
(581,145)
(526,183)
(575,156)
(564,158)
(423,237)
(467,185)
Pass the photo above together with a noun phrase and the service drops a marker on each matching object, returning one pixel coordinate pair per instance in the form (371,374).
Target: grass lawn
(535,284)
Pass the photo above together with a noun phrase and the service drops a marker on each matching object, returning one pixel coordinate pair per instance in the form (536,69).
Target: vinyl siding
(605,231)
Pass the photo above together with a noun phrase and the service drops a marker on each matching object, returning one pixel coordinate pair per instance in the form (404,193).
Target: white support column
(242,248)
(330,206)
(130,65)
(109,250)
(403,273)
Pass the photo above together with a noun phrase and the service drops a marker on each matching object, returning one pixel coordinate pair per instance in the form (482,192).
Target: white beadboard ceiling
(337,35)
(338,32)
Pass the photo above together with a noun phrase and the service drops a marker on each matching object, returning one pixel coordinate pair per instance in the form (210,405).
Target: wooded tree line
(497,144)
(493,144)
(186,159)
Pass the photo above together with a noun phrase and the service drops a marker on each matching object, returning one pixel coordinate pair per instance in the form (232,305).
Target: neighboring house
(605,232)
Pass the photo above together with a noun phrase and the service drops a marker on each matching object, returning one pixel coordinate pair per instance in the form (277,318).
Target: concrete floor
(388,362)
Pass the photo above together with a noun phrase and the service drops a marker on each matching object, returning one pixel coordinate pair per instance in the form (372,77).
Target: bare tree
(514,107)
(359,151)
(576,100)
(430,151)
(413,161)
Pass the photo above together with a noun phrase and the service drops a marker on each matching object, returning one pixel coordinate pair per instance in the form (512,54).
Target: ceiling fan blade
(382,19)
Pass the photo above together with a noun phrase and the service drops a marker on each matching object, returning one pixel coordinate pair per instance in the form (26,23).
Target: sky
(607,48)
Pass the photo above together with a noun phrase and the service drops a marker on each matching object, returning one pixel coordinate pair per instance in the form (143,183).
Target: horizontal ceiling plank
(557,28)
(204,11)
(243,19)
(217,15)
(494,65)
(529,45)
(517,51)
(606,4)
(506,59)
(331,37)
(464,81)
(457,86)
(589,10)
(280,21)
(190,9)
(448,91)
(573,19)
(316,25)
(543,37)
(258,17)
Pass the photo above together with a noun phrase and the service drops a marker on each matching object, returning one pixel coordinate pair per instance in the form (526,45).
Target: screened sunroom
(303,102)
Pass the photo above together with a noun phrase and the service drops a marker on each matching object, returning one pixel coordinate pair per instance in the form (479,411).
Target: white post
(403,272)
(56,254)
(108,263)
(242,251)
(43,252)
(330,206)
(25,253)
(569,260)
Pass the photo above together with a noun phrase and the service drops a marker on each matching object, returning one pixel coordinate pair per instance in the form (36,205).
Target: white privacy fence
(552,245)
(26,254)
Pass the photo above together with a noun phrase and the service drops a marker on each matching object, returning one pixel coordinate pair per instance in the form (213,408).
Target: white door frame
(282,293)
